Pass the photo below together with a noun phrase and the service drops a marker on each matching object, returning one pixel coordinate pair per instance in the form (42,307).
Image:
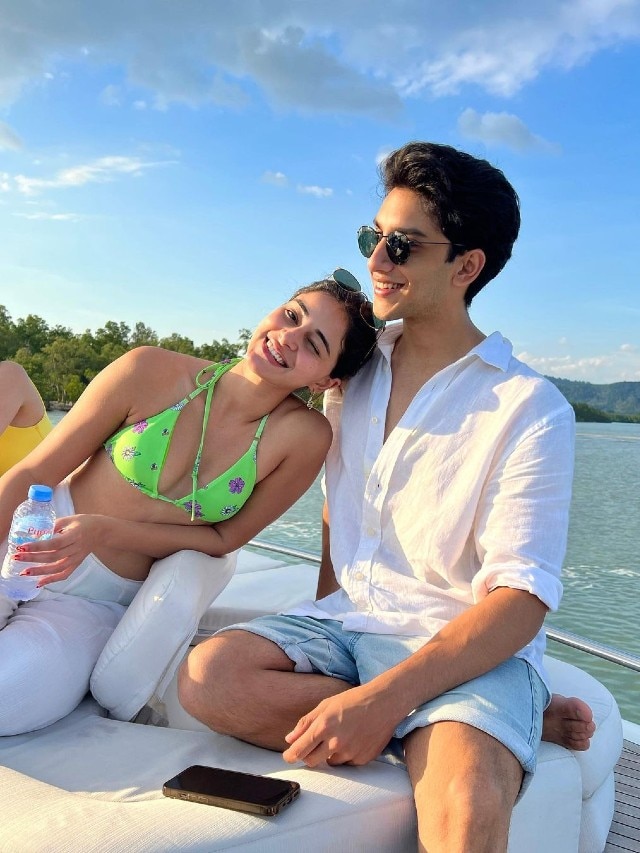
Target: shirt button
(374,420)
(371,531)
(359,576)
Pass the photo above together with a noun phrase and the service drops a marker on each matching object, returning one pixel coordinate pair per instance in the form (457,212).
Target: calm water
(602,568)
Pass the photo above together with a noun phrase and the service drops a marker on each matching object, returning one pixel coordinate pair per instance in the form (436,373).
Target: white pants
(49,645)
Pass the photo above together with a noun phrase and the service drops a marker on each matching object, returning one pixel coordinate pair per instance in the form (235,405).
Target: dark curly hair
(473,203)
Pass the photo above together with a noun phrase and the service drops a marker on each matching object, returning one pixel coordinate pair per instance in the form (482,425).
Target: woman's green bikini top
(139,452)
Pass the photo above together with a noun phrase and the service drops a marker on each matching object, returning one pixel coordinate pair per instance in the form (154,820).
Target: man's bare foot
(569,722)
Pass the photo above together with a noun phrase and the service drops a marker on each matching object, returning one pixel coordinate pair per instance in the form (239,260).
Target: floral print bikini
(139,452)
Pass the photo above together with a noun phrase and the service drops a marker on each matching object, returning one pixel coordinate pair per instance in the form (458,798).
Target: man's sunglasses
(398,245)
(348,281)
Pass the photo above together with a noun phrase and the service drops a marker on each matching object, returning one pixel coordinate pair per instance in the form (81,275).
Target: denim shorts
(507,702)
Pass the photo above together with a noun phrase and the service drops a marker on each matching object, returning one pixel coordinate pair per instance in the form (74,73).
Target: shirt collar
(495,350)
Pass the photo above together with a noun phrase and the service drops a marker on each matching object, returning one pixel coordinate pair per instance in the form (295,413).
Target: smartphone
(231,789)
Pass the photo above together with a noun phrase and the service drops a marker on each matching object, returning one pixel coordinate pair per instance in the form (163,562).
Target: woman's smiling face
(301,340)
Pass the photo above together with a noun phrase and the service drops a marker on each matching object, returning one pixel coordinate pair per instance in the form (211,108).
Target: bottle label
(37,533)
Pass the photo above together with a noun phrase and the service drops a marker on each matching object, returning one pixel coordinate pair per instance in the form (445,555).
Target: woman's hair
(360,337)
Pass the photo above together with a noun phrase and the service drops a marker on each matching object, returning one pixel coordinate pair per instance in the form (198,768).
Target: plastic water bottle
(33,519)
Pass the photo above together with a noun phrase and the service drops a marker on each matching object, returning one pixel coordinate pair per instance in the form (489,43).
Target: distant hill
(619,398)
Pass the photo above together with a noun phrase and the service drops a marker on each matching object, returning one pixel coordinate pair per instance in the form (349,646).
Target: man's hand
(350,728)
(75,536)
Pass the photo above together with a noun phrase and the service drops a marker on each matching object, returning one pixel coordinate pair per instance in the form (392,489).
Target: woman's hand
(74,538)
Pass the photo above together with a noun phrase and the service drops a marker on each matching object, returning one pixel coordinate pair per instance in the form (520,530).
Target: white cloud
(318,192)
(5,182)
(278,179)
(100,171)
(9,138)
(56,217)
(621,365)
(501,129)
(111,96)
(308,56)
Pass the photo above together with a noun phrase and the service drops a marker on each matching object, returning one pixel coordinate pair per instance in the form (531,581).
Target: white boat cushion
(95,784)
(253,594)
(574,791)
(597,762)
(156,629)
(597,814)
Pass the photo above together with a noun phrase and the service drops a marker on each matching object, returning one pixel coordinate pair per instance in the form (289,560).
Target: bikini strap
(218,369)
(209,386)
(261,426)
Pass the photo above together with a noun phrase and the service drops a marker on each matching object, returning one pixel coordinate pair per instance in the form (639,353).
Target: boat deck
(625,829)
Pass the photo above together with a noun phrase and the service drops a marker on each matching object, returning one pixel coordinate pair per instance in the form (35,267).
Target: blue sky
(188,164)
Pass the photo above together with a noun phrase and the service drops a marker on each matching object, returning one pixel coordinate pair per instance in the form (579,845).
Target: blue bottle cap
(40,493)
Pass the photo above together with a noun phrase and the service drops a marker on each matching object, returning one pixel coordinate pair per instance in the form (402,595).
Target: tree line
(616,401)
(590,414)
(61,363)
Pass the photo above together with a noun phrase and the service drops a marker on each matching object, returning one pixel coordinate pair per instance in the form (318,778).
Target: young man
(448,490)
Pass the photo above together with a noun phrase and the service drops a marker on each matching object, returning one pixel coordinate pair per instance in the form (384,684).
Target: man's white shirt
(470,491)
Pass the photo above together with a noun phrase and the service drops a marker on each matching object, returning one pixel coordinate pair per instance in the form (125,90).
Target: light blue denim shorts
(507,702)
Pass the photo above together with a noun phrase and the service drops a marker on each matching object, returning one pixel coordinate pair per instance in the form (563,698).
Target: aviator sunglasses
(348,281)
(398,245)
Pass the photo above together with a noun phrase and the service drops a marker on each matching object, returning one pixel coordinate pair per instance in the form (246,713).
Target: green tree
(143,336)
(244,336)
(32,332)
(110,352)
(588,414)
(219,350)
(113,333)
(8,343)
(178,343)
(36,366)
(73,389)
(62,367)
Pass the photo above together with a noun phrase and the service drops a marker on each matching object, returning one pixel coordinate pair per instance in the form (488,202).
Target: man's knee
(478,796)
(204,674)
(218,673)
(465,785)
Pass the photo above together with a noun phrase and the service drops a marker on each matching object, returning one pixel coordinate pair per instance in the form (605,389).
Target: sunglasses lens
(398,247)
(347,280)
(368,239)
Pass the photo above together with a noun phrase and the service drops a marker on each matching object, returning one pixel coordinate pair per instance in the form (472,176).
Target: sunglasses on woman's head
(348,281)
(398,244)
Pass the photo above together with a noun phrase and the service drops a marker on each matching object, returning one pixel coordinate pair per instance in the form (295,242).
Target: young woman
(165,452)
(23,419)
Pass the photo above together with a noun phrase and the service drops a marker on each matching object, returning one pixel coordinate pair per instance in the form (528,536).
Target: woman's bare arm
(305,441)
(20,403)
(104,405)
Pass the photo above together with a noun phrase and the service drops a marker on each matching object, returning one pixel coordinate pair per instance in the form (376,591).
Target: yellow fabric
(16,442)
